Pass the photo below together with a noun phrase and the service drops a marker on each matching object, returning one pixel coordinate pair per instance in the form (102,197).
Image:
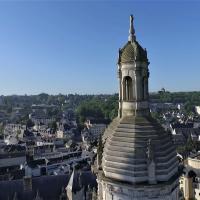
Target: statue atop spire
(131,36)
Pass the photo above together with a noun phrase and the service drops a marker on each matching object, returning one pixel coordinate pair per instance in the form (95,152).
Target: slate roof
(77,180)
(74,183)
(35,163)
(178,125)
(14,148)
(49,187)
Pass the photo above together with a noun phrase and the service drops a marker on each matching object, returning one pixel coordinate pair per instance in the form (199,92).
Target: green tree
(188,106)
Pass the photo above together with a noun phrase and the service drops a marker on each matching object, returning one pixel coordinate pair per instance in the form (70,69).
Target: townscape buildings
(150,150)
(45,154)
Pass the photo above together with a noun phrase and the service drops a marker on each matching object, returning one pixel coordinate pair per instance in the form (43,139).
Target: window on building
(127,88)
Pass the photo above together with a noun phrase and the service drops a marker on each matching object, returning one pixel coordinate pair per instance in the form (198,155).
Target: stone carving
(151,164)
(150,153)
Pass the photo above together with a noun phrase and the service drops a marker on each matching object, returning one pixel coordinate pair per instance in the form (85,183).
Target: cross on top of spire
(131,36)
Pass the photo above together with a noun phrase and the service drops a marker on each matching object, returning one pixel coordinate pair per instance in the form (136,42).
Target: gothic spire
(15,196)
(131,36)
(38,197)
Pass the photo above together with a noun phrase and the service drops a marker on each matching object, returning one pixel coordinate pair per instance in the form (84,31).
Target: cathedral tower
(138,161)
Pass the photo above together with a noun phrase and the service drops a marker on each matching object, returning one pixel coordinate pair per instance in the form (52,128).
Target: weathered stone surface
(139,159)
(125,152)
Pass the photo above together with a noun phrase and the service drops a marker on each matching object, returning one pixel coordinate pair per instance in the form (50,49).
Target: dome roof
(126,152)
(131,52)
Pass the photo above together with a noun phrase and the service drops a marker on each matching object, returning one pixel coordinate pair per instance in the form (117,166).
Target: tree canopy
(98,109)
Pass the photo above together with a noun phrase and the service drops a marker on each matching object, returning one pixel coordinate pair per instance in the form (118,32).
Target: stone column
(120,92)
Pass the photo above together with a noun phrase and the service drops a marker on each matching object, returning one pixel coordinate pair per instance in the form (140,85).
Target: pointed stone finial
(131,37)
(119,56)
(38,197)
(151,165)
(15,196)
(150,154)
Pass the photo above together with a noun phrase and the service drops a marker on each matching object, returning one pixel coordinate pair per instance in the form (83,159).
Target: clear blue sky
(71,47)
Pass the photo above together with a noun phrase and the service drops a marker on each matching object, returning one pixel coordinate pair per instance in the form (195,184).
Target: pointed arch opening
(145,88)
(127,88)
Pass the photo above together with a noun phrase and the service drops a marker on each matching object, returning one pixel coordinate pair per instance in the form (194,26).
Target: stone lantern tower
(133,76)
(138,161)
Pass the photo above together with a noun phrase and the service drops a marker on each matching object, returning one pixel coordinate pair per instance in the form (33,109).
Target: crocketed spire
(131,36)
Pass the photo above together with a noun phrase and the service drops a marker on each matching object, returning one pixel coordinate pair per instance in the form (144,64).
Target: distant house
(12,155)
(40,117)
(13,128)
(182,132)
(197,109)
(190,179)
(36,168)
(94,128)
